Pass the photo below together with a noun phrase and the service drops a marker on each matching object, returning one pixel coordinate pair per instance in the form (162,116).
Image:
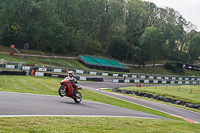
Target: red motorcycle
(67,89)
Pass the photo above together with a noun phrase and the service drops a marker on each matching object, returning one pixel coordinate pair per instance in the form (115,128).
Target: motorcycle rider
(73,80)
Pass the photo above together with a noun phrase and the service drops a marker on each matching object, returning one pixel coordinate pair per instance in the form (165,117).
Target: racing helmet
(70,73)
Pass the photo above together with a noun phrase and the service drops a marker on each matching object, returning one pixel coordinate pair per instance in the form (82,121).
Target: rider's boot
(75,91)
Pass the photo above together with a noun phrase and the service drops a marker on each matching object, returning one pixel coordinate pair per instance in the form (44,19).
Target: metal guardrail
(163,75)
(12,64)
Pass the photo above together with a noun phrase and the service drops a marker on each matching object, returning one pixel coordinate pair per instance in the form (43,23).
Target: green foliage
(170,66)
(87,27)
(118,48)
(194,48)
(151,44)
(137,19)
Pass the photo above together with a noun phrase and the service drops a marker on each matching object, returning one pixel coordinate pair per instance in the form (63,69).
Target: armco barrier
(63,76)
(160,98)
(14,67)
(156,81)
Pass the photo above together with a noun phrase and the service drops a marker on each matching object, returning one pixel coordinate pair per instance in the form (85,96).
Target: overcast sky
(189,9)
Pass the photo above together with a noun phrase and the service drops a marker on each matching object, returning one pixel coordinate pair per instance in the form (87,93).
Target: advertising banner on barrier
(191,67)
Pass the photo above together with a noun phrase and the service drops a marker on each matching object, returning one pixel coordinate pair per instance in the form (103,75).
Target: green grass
(35,52)
(4,49)
(16,58)
(150,70)
(183,93)
(10,58)
(49,86)
(28,84)
(162,70)
(72,63)
(93,124)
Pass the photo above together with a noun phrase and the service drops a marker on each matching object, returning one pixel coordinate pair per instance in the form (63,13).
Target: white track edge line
(4,116)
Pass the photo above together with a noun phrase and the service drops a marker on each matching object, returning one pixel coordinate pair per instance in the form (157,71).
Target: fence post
(190,89)
(166,87)
(179,88)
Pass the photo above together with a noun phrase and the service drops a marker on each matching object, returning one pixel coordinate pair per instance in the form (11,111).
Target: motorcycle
(67,89)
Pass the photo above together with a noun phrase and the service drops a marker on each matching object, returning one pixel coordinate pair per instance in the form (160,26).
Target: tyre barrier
(13,72)
(160,98)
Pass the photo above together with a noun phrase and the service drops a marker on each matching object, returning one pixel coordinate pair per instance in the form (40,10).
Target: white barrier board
(93,73)
(10,66)
(79,71)
(82,78)
(39,74)
(58,70)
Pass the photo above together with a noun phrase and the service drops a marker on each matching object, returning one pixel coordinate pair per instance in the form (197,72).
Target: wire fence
(171,89)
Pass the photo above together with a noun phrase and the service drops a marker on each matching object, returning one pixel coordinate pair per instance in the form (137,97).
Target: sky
(189,9)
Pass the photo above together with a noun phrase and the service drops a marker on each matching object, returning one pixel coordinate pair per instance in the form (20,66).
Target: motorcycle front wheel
(62,92)
(78,97)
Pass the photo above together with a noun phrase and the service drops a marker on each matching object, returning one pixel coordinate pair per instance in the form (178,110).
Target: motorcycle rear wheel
(78,97)
(62,92)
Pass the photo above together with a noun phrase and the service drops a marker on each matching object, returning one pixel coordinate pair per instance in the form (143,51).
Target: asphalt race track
(32,104)
(17,104)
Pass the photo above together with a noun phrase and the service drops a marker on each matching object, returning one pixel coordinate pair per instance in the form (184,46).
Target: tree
(136,19)
(172,24)
(117,48)
(194,48)
(151,44)
(137,13)
(91,26)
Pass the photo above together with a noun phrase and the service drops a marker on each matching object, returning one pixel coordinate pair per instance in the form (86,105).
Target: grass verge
(93,124)
(184,93)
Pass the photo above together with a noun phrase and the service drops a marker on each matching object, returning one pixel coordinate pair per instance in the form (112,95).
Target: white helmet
(70,73)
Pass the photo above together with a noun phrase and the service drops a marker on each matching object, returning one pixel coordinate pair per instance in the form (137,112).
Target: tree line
(123,29)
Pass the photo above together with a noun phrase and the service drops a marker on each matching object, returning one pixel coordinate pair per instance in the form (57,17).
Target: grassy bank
(72,63)
(184,93)
(162,70)
(85,124)
(16,58)
(36,52)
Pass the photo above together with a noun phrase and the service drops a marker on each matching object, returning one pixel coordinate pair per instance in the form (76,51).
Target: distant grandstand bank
(102,64)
